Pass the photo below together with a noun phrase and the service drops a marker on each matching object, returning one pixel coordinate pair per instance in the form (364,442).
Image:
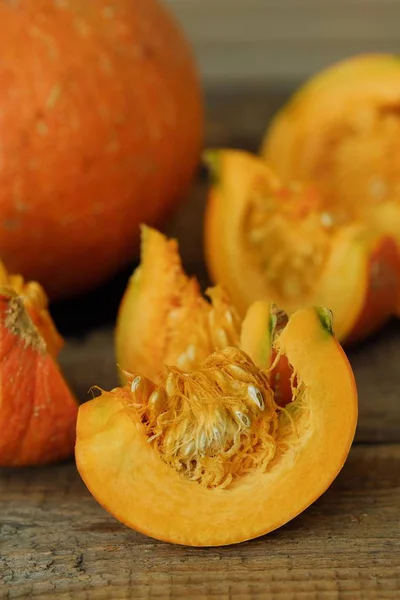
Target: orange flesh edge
(147,355)
(257,341)
(383,289)
(121,469)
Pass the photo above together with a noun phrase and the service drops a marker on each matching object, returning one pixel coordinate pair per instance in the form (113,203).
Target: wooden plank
(57,542)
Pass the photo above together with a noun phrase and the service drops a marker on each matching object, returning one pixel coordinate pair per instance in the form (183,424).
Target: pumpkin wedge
(341,130)
(206,457)
(37,410)
(266,240)
(164,319)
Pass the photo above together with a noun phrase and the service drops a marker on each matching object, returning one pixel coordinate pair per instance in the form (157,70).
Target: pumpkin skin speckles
(101,130)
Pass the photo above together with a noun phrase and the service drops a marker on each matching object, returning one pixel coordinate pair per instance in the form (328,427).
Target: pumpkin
(161,298)
(37,409)
(101,123)
(341,130)
(271,240)
(206,457)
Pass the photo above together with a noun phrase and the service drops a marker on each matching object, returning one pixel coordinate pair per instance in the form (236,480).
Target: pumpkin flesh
(164,319)
(346,141)
(266,240)
(307,446)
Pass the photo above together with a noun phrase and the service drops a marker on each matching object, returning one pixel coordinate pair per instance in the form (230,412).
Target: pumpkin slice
(341,130)
(37,410)
(206,457)
(164,319)
(266,240)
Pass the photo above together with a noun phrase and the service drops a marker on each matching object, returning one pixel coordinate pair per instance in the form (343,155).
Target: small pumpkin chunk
(37,409)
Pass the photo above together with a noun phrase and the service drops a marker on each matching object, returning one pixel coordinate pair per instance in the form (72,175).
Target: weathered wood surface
(57,542)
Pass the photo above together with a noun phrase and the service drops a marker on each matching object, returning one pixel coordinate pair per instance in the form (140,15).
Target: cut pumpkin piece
(341,129)
(37,409)
(268,241)
(164,319)
(206,457)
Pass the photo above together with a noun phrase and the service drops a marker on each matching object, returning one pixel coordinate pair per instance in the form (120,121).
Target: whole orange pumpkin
(101,123)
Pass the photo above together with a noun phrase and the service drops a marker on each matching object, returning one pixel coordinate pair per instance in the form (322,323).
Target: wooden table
(57,542)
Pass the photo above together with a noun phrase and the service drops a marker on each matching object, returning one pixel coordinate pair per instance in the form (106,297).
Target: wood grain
(57,542)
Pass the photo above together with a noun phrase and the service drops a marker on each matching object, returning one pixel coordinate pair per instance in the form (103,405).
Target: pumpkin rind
(37,409)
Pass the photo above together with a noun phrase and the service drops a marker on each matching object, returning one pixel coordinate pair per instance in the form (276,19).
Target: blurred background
(252,54)
(277,43)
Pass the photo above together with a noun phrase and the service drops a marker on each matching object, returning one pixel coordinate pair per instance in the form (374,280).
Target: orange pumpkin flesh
(341,130)
(164,319)
(37,410)
(101,122)
(266,240)
(262,324)
(206,458)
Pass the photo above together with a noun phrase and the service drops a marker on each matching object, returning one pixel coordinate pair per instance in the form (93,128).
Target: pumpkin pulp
(164,319)
(274,241)
(215,458)
(346,141)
